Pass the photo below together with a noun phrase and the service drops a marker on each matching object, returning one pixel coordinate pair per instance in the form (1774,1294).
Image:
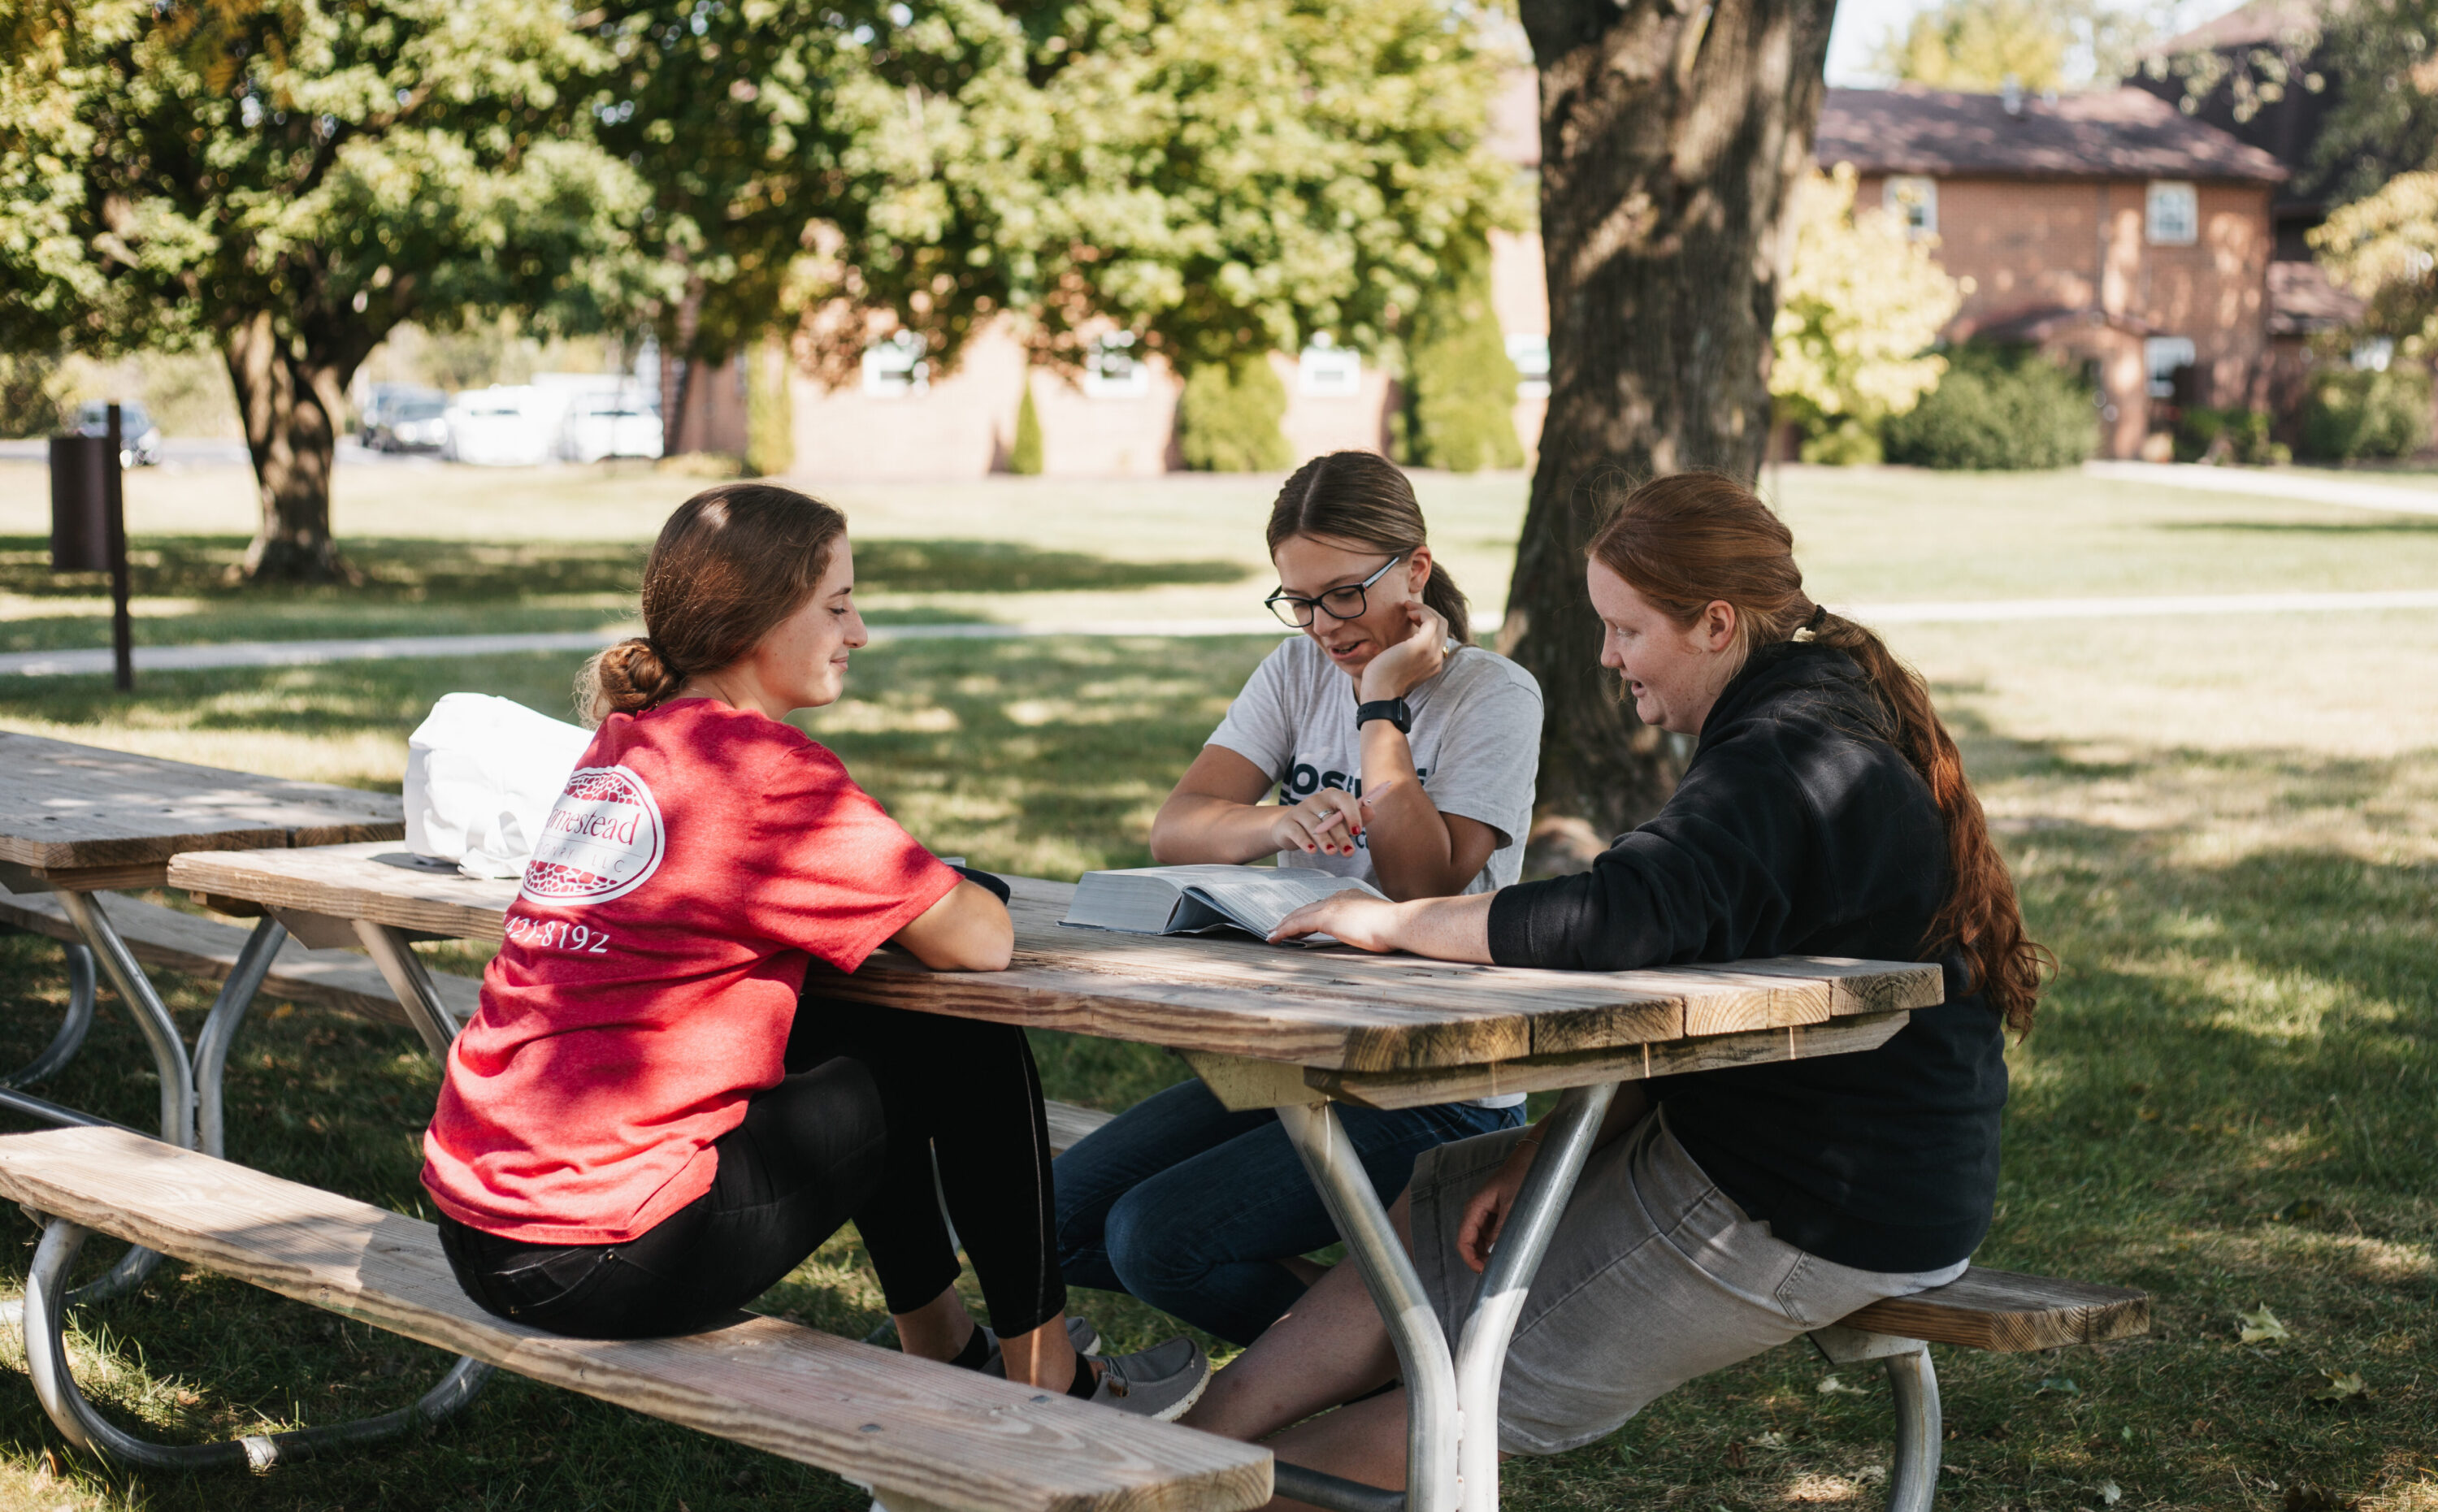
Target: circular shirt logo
(604,838)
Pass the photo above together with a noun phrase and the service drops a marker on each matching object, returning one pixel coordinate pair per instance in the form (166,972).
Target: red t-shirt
(699,854)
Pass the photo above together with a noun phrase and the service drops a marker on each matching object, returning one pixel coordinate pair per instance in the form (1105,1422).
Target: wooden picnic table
(77,821)
(1265,1026)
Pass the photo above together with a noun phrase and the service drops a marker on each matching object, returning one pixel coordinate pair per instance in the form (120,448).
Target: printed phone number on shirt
(558,934)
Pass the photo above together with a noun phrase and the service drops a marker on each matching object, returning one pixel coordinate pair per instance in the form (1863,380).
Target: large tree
(1673,137)
(288,180)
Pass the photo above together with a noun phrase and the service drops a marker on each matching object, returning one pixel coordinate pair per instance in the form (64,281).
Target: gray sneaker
(1080,1333)
(1159,1382)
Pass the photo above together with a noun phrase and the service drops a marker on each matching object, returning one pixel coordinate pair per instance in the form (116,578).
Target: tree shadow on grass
(420,571)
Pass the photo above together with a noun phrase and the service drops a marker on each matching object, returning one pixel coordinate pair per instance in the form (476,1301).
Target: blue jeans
(1190,1207)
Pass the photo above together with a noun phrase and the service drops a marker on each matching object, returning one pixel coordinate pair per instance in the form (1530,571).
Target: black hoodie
(1800,830)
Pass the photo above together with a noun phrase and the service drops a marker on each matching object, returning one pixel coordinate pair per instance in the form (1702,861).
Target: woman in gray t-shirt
(1399,752)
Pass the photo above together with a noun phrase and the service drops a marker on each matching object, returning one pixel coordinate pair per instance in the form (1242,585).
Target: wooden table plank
(954,1439)
(1338,1010)
(65,806)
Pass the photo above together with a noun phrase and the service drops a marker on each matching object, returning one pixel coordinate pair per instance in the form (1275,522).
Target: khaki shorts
(1653,1277)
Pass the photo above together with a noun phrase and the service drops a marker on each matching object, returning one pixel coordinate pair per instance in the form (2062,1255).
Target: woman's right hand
(1323,824)
(1485,1213)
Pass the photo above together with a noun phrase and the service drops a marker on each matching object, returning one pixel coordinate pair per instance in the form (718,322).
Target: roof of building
(2114,134)
(2302,300)
(2248,25)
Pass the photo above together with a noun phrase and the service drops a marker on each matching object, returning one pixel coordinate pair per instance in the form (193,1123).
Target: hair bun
(631,677)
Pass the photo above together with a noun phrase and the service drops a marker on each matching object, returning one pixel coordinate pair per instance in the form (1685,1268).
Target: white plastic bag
(482,774)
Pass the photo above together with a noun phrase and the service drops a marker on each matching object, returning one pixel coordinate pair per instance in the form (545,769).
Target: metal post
(412,981)
(1498,1301)
(122,652)
(254,963)
(1432,1417)
(1913,1481)
(151,1017)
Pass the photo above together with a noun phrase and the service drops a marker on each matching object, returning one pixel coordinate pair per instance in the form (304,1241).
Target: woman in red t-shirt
(651,1121)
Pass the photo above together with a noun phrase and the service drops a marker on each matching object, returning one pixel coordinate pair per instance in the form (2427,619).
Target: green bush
(29,405)
(1460,391)
(770,411)
(1025,456)
(2229,435)
(2368,412)
(1228,419)
(1842,442)
(1997,408)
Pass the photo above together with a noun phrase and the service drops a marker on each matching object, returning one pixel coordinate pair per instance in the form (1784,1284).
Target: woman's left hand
(1412,661)
(1356,918)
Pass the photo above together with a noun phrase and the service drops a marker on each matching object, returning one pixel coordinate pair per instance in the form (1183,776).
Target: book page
(1260,901)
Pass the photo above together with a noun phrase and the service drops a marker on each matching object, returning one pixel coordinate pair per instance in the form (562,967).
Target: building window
(1327,372)
(2166,356)
(2172,214)
(894,368)
(1914,202)
(1112,371)
(2372,356)
(1531,354)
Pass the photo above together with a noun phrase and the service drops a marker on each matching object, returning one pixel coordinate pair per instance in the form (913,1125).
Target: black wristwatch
(1393,709)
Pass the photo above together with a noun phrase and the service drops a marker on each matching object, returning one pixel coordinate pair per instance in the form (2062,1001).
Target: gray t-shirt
(1476,743)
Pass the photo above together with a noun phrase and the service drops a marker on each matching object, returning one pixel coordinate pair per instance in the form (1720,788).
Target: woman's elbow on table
(968,929)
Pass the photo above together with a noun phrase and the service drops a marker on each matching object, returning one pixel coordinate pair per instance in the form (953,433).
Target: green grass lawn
(2227,828)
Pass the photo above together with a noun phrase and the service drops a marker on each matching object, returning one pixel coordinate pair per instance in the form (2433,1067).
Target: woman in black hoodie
(1825,812)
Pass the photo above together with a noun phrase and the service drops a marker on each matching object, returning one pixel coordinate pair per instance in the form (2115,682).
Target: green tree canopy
(1975,44)
(287,182)
(1858,312)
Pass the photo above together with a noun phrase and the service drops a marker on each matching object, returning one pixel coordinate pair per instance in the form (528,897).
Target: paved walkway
(1983,612)
(2272,483)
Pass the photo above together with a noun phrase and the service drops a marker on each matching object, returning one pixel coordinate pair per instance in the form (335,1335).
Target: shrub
(2229,435)
(1997,408)
(1228,419)
(2368,412)
(29,406)
(1025,456)
(770,411)
(1460,393)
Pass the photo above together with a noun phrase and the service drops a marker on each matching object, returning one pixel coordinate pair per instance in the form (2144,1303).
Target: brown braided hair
(731,563)
(1690,540)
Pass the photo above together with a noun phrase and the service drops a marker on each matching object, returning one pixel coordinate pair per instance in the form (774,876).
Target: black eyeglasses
(1342,602)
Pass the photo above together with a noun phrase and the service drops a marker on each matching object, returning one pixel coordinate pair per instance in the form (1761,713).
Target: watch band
(1395,711)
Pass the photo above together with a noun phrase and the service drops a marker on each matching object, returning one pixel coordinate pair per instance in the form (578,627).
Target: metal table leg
(48,1361)
(1498,1301)
(1451,1402)
(151,1015)
(412,981)
(72,1029)
(254,962)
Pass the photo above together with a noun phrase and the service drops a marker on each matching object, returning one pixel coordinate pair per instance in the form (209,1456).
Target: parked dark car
(139,439)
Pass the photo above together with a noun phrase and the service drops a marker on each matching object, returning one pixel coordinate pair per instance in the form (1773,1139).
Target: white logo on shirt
(604,838)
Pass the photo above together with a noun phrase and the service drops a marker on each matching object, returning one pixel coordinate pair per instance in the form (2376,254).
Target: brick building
(2107,228)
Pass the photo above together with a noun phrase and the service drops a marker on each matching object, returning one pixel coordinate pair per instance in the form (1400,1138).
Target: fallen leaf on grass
(1831,1386)
(1734,1457)
(2260,1326)
(2111,1492)
(1773,1439)
(2337,1386)
(2062,1385)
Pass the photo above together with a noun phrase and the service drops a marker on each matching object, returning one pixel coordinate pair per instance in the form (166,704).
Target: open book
(1196,900)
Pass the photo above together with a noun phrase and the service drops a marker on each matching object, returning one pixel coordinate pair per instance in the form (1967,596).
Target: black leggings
(870,1094)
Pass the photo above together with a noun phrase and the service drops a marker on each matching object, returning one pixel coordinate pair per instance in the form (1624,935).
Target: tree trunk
(1672,136)
(290,402)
